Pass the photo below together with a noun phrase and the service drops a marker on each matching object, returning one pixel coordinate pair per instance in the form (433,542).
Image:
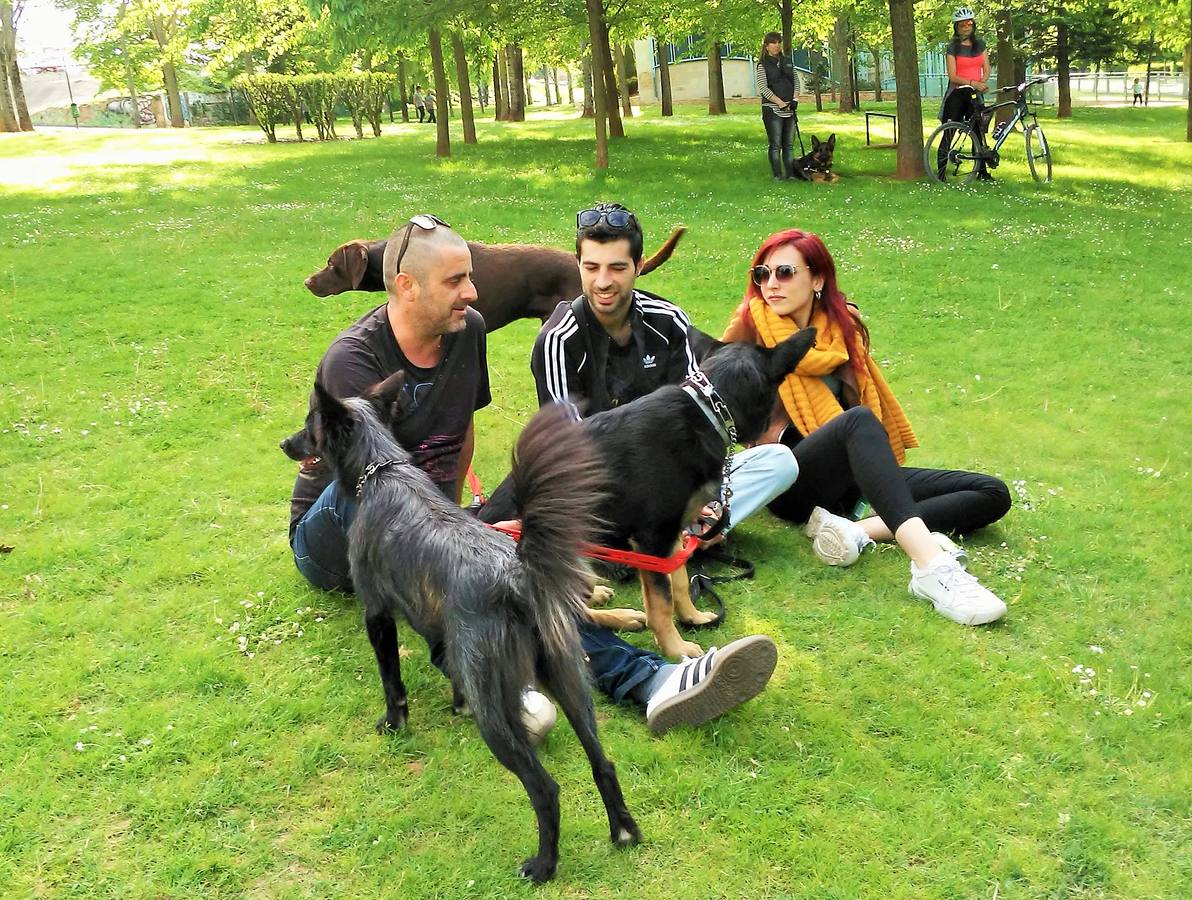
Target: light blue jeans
(759,475)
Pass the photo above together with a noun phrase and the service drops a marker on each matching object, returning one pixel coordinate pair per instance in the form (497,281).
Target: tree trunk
(663,50)
(877,73)
(788,23)
(1005,59)
(21,106)
(403,95)
(570,85)
(442,123)
(500,101)
(623,78)
(463,82)
(616,127)
(716,105)
(168,71)
(910,103)
(517,83)
(10,71)
(1150,56)
(599,44)
(844,62)
(816,65)
(585,67)
(1062,66)
(526,78)
(8,110)
(554,77)
(1188,75)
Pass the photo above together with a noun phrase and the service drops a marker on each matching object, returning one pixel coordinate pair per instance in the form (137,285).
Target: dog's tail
(664,252)
(557,484)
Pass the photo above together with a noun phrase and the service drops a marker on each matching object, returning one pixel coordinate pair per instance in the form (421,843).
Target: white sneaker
(955,593)
(538,714)
(703,688)
(952,548)
(836,540)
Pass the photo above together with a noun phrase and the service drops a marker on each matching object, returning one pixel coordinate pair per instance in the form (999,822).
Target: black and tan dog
(664,457)
(817,165)
(505,615)
(513,281)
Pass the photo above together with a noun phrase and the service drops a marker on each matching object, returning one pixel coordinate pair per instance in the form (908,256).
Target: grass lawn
(181,716)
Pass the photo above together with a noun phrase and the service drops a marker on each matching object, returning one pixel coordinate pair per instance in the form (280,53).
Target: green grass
(157,342)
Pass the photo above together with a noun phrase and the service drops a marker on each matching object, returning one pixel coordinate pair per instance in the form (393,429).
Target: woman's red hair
(819,260)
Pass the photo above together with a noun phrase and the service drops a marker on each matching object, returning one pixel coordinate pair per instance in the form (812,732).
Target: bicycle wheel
(1038,153)
(951,154)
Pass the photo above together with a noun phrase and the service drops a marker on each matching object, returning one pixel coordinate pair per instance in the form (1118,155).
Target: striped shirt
(772,101)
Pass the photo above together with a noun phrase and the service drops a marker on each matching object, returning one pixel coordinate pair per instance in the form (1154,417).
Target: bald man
(427,329)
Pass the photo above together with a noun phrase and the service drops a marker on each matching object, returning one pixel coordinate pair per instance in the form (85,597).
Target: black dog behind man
(505,614)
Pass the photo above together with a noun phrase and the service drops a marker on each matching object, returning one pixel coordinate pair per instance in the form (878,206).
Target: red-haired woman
(849,436)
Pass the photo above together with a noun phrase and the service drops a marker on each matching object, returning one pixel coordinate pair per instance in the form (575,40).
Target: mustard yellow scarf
(808,401)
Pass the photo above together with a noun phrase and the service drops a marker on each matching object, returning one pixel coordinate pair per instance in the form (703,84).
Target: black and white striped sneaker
(703,688)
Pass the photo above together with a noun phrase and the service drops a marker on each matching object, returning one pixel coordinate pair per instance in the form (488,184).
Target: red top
(970,61)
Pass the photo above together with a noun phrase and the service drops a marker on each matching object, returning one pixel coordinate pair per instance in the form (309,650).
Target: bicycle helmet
(963,12)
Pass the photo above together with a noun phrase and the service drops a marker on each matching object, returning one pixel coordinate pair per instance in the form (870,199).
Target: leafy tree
(14,111)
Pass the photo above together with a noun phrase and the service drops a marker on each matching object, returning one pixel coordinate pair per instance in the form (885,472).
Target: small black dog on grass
(505,614)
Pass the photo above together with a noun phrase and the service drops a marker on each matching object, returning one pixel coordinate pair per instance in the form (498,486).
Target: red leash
(662,564)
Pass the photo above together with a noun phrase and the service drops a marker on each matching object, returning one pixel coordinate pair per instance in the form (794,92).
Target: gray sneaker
(955,593)
(836,540)
(703,688)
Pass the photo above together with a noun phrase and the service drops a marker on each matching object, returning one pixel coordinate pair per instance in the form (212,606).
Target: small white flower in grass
(145,742)
(1078,668)
(1127,711)
(1146,694)
(260,593)
(123,758)
(84,432)
(1095,649)
(79,746)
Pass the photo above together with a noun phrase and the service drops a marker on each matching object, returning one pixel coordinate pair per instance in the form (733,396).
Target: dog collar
(700,389)
(372,469)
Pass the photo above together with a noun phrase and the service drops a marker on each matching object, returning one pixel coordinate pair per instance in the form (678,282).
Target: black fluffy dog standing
(505,614)
(664,455)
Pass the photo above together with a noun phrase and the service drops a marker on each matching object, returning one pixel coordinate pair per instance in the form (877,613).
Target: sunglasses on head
(426,222)
(783,273)
(614,218)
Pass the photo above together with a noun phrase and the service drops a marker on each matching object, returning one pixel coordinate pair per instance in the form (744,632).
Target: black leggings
(850,458)
(959,107)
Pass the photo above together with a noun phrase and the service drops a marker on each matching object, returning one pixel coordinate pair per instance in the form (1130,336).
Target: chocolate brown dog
(514,281)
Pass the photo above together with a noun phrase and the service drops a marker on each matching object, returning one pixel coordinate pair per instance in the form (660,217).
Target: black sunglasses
(615,218)
(783,273)
(426,222)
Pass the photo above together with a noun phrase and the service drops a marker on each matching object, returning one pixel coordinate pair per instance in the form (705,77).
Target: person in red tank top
(968,76)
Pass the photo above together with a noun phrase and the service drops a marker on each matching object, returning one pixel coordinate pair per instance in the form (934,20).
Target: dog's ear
(333,415)
(351,261)
(832,141)
(386,398)
(815,143)
(786,355)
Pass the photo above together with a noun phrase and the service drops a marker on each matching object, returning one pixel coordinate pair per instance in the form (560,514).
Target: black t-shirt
(443,398)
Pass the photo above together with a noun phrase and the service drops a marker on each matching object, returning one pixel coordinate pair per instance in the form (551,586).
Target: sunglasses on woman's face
(614,218)
(782,274)
(426,222)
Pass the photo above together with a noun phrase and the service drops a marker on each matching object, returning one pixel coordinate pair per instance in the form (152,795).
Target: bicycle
(955,150)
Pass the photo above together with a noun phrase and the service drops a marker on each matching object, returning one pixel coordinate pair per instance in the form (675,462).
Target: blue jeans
(320,546)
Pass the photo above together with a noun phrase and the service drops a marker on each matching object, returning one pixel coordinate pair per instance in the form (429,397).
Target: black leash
(702,582)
